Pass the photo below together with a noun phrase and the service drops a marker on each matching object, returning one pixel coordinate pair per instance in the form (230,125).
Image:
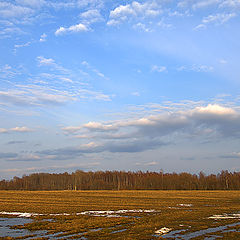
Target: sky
(119,85)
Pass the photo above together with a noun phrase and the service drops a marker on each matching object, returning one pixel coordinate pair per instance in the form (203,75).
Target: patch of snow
(163,230)
(114,213)
(89,213)
(185,205)
(21,214)
(225,216)
(59,214)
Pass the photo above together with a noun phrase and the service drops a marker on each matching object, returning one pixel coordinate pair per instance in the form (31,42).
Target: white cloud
(3,130)
(233,4)
(89,94)
(49,62)
(134,10)
(8,71)
(31,3)
(215,109)
(99,126)
(16,129)
(142,27)
(164,25)
(205,3)
(35,96)
(156,68)
(22,45)
(91,16)
(222,61)
(21,129)
(113,22)
(202,68)
(217,19)
(42,61)
(9,10)
(72,29)
(43,38)
(211,121)
(195,5)
(196,68)
(94,70)
(137,94)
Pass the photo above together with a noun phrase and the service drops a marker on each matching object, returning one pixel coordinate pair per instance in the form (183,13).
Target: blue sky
(119,85)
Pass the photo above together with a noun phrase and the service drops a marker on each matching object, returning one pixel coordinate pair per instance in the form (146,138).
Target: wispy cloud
(156,68)
(16,129)
(93,69)
(218,19)
(232,155)
(15,142)
(43,37)
(196,68)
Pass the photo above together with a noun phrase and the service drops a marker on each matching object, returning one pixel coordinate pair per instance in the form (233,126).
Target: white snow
(163,230)
(185,205)
(225,216)
(114,213)
(90,213)
(21,214)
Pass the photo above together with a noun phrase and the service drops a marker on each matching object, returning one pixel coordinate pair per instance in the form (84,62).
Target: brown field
(179,210)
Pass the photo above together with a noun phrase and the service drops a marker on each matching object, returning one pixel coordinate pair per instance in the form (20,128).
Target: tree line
(121,180)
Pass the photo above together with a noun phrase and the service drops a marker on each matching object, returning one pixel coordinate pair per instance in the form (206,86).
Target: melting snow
(225,216)
(90,213)
(21,214)
(163,230)
(114,213)
(185,205)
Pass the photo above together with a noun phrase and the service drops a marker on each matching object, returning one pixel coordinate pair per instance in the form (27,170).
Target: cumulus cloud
(152,132)
(215,109)
(72,29)
(134,10)
(129,146)
(202,121)
(91,16)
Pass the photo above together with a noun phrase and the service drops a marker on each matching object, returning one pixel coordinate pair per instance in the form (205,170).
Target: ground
(75,214)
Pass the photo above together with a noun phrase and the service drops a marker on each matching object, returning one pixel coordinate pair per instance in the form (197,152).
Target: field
(97,215)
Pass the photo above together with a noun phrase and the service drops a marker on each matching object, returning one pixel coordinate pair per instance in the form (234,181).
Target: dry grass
(140,225)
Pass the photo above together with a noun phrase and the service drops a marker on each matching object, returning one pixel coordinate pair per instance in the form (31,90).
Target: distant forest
(120,180)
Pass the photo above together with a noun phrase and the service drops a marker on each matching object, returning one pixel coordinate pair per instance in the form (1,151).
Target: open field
(75,214)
